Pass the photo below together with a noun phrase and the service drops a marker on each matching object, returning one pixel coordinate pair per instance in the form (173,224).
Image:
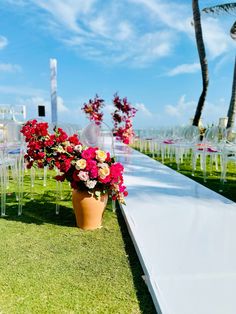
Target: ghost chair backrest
(19,113)
(215,135)
(69,128)
(91,135)
(12,132)
(192,133)
(76,128)
(107,140)
(6,113)
(231,135)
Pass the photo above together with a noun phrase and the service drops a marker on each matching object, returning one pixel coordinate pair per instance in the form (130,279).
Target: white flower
(91,184)
(104,171)
(78,148)
(83,175)
(80,164)
(101,155)
(102,165)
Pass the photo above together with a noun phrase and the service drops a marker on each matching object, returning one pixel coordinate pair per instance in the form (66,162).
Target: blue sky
(143,49)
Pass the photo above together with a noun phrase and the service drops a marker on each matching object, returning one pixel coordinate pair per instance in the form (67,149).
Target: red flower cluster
(86,168)
(122,118)
(92,109)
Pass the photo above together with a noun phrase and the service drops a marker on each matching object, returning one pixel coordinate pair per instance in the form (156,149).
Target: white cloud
(184,68)
(125,31)
(67,12)
(184,110)
(137,32)
(175,16)
(99,26)
(60,105)
(22,91)
(217,39)
(32,103)
(142,109)
(179,17)
(107,32)
(10,68)
(3,42)
(109,108)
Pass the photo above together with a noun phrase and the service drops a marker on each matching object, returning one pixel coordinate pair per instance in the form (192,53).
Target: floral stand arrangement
(122,119)
(93,174)
(122,116)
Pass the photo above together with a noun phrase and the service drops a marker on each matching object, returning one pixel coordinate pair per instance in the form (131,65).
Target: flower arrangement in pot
(93,174)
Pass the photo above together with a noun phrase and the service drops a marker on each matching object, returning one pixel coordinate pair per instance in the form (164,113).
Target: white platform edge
(150,284)
(158,299)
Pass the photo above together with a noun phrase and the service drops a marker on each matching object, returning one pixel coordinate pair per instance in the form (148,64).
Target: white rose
(91,184)
(104,172)
(102,165)
(80,164)
(78,148)
(101,155)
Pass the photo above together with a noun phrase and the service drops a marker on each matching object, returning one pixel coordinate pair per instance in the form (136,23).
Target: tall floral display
(122,119)
(93,109)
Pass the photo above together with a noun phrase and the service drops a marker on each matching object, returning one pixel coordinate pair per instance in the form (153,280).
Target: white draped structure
(53,69)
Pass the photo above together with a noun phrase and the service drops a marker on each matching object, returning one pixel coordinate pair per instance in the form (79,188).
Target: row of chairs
(217,144)
(12,150)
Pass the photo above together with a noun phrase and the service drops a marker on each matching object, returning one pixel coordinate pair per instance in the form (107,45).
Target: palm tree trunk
(232,106)
(203,60)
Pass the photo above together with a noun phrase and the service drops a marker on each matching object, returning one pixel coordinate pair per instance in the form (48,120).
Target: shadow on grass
(40,211)
(142,293)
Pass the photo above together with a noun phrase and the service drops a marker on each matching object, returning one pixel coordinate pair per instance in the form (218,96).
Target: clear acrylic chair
(188,138)
(12,157)
(229,151)
(210,150)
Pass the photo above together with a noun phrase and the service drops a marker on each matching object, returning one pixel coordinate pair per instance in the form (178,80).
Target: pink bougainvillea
(122,119)
(93,109)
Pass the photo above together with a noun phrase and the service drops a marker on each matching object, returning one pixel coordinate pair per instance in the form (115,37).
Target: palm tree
(203,60)
(228,8)
(232,105)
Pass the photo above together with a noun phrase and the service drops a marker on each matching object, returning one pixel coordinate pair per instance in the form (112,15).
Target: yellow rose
(103,172)
(80,164)
(101,155)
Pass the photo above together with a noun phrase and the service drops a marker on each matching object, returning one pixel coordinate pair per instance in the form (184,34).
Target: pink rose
(89,153)
(94,172)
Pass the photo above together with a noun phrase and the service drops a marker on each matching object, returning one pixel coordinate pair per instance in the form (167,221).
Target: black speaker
(41,111)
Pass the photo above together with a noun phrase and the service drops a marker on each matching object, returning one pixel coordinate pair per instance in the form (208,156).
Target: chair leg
(20,179)
(3,190)
(32,180)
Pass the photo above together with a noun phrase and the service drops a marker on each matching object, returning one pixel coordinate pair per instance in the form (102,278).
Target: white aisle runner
(185,236)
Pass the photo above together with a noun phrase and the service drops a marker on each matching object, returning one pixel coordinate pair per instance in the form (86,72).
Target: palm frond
(221,8)
(233,31)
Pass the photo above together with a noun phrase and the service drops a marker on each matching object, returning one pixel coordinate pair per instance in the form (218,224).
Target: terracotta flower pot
(88,209)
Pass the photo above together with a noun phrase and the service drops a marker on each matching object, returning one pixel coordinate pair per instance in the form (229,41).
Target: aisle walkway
(185,236)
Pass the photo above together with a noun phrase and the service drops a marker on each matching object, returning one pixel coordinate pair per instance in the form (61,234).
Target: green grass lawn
(48,265)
